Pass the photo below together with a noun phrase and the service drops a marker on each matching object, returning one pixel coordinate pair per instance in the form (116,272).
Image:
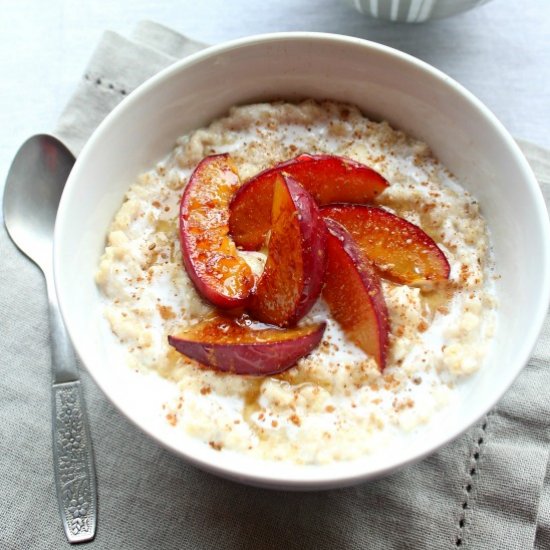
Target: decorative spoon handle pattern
(73,463)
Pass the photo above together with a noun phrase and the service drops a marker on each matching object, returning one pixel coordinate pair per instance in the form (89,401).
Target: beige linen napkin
(490,489)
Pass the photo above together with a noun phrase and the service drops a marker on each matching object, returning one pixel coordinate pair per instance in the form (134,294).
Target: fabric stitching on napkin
(473,468)
(105,84)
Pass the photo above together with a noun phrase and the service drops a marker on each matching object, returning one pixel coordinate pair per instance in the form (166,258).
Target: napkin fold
(119,65)
(488,489)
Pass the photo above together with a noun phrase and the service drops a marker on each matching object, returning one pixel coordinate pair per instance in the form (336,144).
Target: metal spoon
(31,197)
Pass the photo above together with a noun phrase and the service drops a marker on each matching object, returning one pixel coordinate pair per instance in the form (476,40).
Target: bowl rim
(309,477)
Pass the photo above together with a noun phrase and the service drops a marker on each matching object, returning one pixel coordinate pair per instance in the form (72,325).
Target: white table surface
(500,51)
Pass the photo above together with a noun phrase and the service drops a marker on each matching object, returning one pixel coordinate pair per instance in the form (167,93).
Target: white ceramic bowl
(413,11)
(385,84)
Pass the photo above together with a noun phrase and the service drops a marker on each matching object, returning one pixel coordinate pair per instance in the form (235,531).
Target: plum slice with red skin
(294,271)
(353,293)
(239,346)
(327,178)
(400,250)
(209,254)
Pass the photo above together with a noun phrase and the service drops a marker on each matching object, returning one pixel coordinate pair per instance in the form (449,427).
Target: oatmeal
(335,404)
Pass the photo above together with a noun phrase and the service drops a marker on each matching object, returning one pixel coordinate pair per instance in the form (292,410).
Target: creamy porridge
(334,404)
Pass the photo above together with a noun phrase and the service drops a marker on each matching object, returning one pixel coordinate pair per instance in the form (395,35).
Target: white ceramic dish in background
(385,84)
(413,11)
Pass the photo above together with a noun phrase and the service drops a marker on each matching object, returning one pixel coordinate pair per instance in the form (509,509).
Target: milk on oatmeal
(334,404)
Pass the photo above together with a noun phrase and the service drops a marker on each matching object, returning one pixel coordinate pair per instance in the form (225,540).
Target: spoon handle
(74,470)
(73,463)
(64,367)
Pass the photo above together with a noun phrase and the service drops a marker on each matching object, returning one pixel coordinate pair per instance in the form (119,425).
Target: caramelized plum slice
(354,294)
(293,275)
(327,178)
(400,250)
(209,254)
(241,347)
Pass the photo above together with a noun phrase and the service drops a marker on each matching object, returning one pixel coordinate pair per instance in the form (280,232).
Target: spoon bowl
(32,193)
